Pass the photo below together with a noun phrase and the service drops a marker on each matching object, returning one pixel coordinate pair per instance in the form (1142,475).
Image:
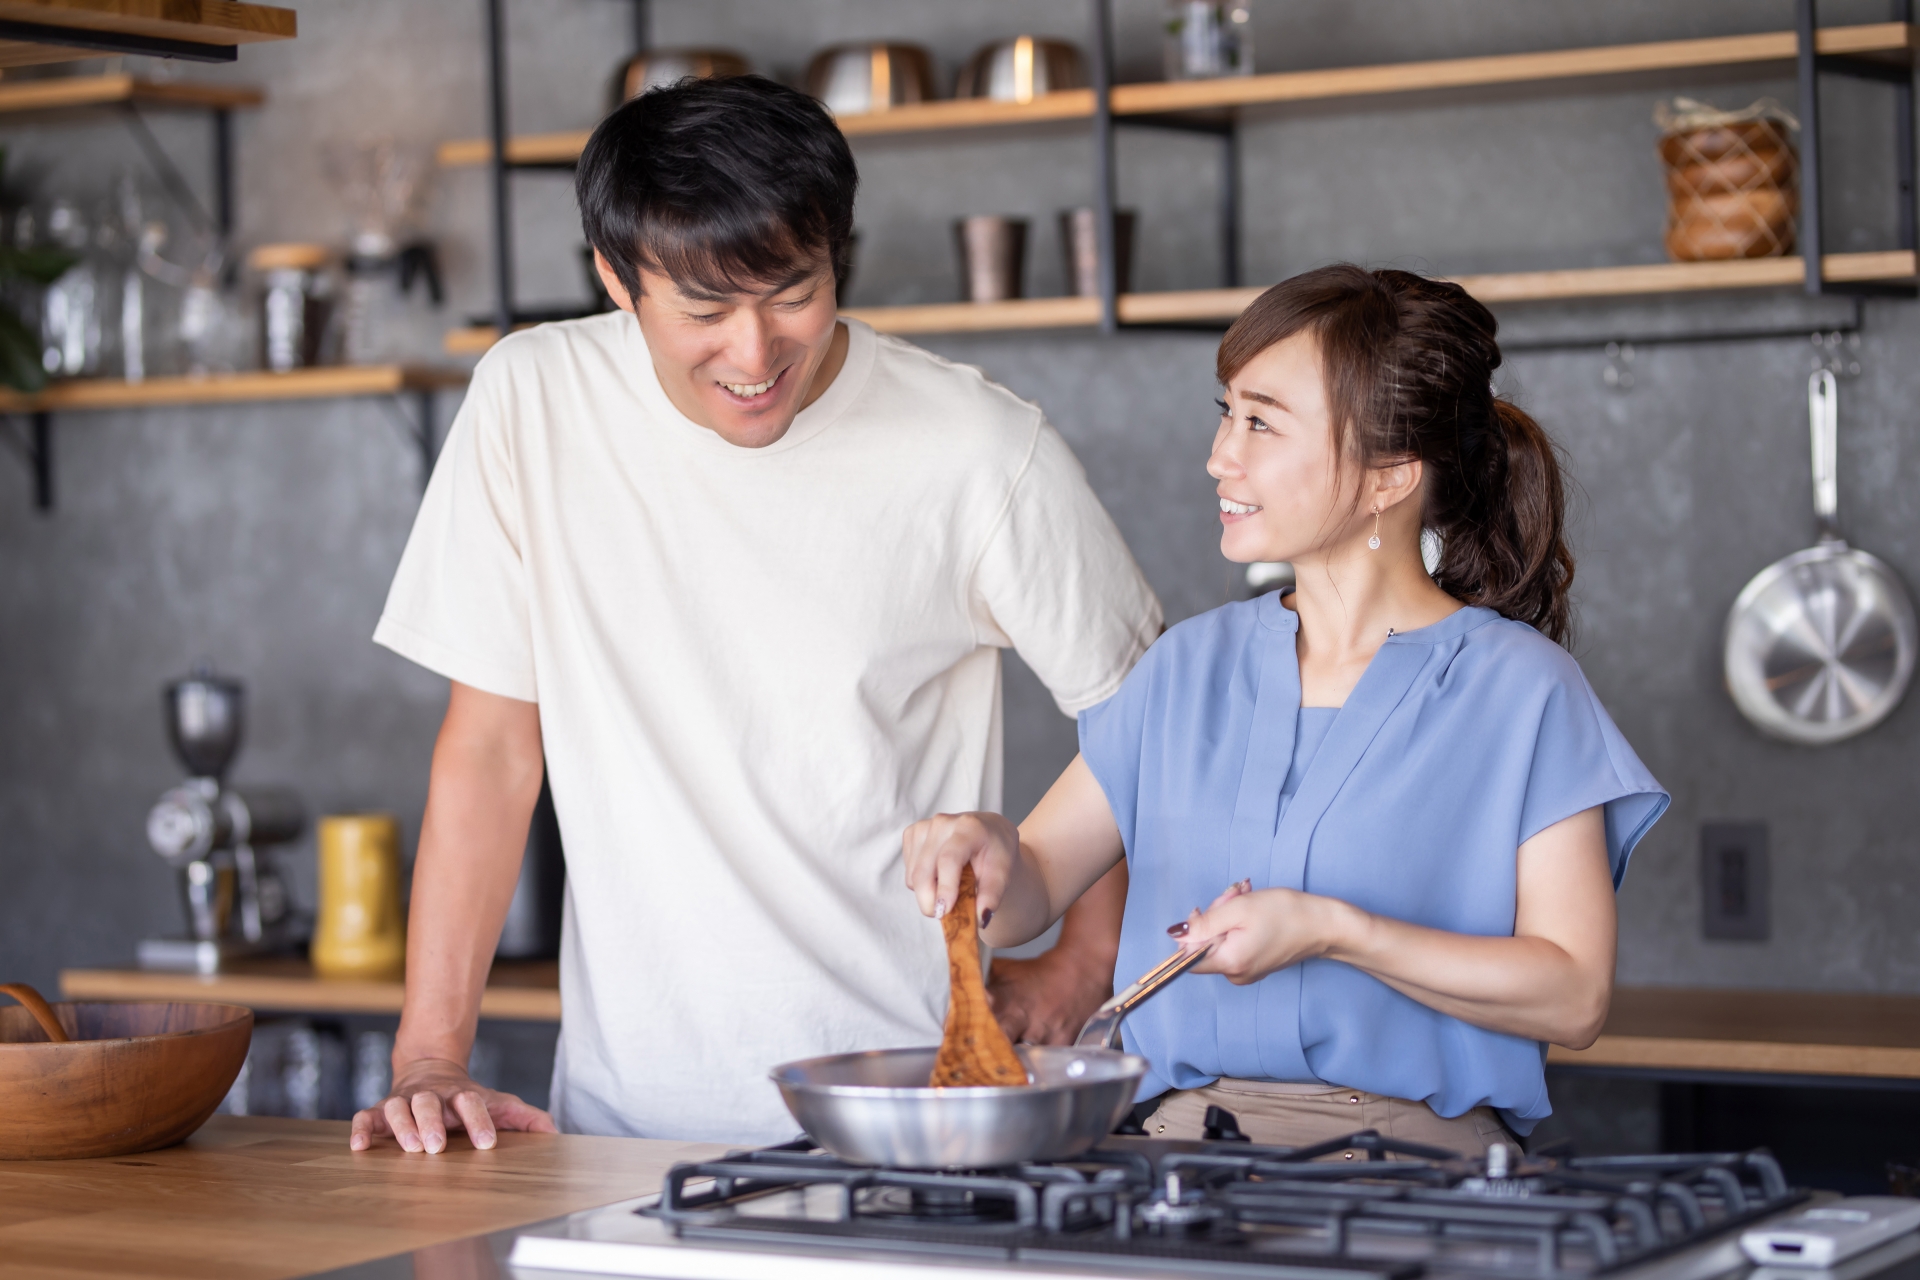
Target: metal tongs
(1103,1028)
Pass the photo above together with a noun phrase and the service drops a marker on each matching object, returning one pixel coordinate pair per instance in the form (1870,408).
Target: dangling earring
(1373,543)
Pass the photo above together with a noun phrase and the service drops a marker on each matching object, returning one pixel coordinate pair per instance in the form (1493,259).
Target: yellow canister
(360,932)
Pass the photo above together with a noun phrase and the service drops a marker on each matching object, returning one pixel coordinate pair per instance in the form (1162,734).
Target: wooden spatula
(42,1011)
(974,1051)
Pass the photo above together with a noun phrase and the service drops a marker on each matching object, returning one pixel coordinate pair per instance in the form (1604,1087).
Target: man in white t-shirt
(735,573)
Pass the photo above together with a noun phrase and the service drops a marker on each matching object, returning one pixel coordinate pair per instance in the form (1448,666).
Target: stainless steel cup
(1077,242)
(993,257)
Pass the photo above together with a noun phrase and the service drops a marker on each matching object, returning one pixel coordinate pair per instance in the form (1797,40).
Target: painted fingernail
(986,917)
(1177,930)
(1246,886)
(940,909)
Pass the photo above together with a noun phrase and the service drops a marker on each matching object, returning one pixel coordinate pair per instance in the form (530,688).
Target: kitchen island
(263,1198)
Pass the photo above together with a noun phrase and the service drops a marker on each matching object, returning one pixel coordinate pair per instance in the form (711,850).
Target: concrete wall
(263,537)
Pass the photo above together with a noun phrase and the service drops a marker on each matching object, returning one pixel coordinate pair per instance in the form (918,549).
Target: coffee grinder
(219,838)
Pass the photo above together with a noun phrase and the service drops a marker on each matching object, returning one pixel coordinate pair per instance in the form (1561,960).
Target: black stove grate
(1239,1209)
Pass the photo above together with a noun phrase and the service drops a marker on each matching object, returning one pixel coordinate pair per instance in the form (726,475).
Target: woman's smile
(1232,512)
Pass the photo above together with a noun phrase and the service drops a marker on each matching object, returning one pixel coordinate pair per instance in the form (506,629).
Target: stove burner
(951,1207)
(1176,1210)
(1241,1209)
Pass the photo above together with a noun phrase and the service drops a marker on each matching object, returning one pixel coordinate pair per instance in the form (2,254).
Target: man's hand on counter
(432,1096)
(1046,1000)
(487,767)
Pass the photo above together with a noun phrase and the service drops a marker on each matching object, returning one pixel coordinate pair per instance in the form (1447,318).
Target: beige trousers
(1298,1115)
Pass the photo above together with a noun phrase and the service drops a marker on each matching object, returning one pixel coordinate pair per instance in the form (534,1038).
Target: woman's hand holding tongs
(1257,932)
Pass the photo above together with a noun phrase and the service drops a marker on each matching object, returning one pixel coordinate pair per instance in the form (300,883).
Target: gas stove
(1359,1206)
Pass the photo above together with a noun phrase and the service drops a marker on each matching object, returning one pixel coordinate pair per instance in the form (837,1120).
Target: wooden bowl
(134,1076)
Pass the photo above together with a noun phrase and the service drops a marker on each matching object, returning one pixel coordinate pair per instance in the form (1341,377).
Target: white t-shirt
(755,668)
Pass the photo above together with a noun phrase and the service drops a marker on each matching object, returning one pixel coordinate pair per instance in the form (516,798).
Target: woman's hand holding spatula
(974,1051)
(974,873)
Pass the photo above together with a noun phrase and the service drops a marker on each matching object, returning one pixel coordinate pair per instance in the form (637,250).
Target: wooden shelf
(1893,41)
(1204,306)
(983,317)
(970,113)
(1219,306)
(920,117)
(56,92)
(521,991)
(532,148)
(202,22)
(1813,1033)
(470,341)
(233,388)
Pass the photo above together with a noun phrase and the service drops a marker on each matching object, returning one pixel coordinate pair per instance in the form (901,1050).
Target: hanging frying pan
(1820,645)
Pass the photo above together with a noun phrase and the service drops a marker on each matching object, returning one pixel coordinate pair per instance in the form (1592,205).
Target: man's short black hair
(725,186)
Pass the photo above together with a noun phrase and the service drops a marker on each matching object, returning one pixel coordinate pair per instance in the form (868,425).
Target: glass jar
(73,316)
(295,304)
(1206,39)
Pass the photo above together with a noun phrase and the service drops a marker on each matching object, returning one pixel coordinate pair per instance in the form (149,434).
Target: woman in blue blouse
(1418,808)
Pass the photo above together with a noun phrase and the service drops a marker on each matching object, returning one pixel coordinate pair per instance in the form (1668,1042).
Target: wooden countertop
(524,990)
(258,1199)
(1814,1033)
(1678,1029)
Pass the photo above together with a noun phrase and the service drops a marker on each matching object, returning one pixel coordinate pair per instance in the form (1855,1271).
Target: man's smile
(753,390)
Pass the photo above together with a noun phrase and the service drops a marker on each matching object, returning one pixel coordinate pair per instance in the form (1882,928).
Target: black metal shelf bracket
(500,167)
(223,201)
(422,428)
(1811,64)
(1103,185)
(1689,337)
(1227,130)
(35,449)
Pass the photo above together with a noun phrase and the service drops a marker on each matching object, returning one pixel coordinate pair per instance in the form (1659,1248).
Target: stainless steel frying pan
(877,1108)
(1820,645)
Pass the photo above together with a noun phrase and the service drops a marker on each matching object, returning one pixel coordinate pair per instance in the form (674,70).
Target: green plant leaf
(20,366)
(42,265)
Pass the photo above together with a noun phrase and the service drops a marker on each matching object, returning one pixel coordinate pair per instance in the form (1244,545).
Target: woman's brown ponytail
(1409,365)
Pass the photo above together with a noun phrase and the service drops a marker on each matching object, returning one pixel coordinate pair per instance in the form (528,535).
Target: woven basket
(1733,181)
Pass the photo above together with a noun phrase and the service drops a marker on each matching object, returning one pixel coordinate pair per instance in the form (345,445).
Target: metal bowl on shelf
(854,79)
(1021,69)
(658,67)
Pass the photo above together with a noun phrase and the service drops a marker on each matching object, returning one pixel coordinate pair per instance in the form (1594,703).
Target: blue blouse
(1461,741)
